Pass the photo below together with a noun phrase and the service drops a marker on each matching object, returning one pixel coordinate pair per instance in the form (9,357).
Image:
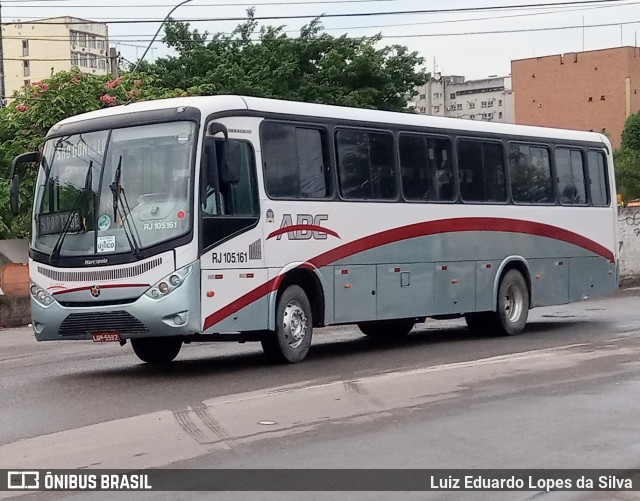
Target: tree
(313,67)
(627,159)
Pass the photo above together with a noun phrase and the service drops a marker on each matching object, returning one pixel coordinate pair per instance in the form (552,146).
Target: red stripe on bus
(306,227)
(454,225)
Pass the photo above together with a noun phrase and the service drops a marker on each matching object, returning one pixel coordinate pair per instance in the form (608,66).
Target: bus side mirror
(230,168)
(25,158)
(15,195)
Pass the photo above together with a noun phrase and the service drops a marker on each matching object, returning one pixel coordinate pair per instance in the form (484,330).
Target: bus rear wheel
(291,340)
(386,329)
(156,350)
(512,308)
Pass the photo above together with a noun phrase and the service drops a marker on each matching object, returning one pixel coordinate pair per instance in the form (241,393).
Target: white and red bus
(238,218)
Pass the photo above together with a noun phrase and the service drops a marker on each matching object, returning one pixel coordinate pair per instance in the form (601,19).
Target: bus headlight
(40,295)
(169,283)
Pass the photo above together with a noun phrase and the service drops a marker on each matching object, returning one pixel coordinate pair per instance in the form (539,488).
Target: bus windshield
(114,191)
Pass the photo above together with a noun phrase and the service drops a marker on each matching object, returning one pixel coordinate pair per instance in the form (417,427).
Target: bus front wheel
(291,340)
(158,350)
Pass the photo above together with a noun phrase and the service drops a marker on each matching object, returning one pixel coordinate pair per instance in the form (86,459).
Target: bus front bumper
(176,314)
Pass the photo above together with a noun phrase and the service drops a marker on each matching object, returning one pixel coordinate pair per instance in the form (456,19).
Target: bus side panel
(485,280)
(590,277)
(404,290)
(224,289)
(355,293)
(454,287)
(549,281)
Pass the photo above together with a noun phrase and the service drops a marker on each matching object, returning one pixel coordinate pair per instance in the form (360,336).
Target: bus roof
(215,104)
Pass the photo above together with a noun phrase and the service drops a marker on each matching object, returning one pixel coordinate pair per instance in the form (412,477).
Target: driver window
(235,199)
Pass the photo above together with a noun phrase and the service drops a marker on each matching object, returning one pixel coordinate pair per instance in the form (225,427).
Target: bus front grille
(120,321)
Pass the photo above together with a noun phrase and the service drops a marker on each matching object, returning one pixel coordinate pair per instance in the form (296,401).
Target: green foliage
(313,67)
(627,160)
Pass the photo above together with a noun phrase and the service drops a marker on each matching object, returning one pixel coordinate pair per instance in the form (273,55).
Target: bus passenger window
(426,169)
(365,165)
(598,178)
(481,172)
(296,161)
(571,185)
(530,172)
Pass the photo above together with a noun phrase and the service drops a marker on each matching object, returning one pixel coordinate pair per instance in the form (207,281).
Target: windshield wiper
(119,196)
(88,181)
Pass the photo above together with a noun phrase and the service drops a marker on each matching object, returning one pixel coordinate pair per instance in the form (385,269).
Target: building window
(100,44)
(499,114)
(25,68)
(82,39)
(74,38)
(472,106)
(422,96)
(75,60)
(452,95)
(92,41)
(436,109)
(483,104)
(27,83)
(83,61)
(25,48)
(459,106)
(93,61)
(499,102)
(422,109)
(489,116)
(472,117)
(102,64)
(489,104)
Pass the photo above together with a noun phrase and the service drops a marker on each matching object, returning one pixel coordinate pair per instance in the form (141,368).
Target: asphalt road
(561,395)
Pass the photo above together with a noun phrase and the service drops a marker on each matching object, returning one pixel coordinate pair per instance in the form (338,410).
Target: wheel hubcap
(513,303)
(294,323)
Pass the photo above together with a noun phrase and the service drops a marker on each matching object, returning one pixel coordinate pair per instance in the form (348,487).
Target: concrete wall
(629,243)
(14,311)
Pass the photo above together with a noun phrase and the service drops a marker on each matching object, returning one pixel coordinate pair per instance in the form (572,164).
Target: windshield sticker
(183,138)
(106,244)
(104,222)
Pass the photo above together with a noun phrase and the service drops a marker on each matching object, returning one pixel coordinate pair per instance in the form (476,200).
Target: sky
(452,43)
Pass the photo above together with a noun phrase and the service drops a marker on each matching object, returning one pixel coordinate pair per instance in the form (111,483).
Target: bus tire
(481,322)
(156,350)
(513,304)
(291,340)
(386,329)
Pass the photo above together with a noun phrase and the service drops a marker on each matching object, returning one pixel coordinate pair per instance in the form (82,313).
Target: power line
(129,6)
(431,35)
(128,37)
(349,14)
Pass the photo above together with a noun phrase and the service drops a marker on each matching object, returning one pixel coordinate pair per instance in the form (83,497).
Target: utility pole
(2,86)
(113,62)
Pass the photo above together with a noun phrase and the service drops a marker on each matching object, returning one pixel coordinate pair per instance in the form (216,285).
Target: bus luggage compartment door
(404,290)
(355,293)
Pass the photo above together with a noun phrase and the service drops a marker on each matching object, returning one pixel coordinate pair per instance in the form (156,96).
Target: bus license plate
(105,337)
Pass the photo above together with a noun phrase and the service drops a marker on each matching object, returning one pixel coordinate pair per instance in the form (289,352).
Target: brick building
(593,90)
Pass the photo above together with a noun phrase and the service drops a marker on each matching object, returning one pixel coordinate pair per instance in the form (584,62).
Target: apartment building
(592,90)
(488,99)
(37,49)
